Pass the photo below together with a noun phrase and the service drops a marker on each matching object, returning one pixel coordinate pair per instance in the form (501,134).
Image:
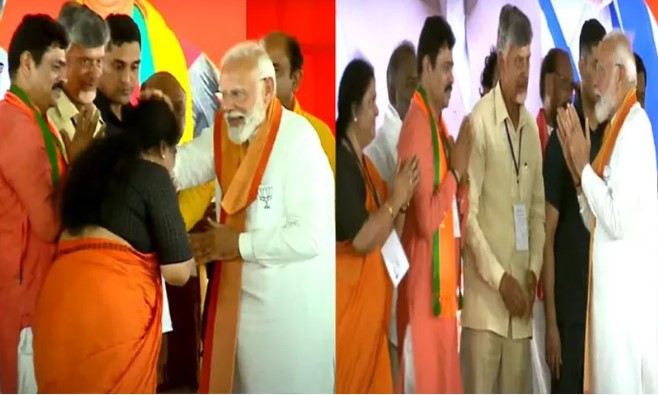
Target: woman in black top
(367,214)
(98,324)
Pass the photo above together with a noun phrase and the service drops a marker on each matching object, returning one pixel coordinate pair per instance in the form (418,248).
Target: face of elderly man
(609,78)
(245,96)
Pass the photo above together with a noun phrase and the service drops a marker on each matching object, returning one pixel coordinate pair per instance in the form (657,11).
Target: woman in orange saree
(97,326)
(366,216)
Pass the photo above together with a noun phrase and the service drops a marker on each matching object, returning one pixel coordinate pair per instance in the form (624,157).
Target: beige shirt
(490,233)
(63,116)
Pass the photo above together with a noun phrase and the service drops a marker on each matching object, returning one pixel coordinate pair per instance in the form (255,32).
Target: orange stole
(363,311)
(602,159)
(448,245)
(239,170)
(97,325)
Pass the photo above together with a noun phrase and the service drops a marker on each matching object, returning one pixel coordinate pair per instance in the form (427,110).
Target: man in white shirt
(401,78)
(271,312)
(618,203)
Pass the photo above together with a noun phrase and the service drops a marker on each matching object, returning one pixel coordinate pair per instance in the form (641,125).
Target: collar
(65,107)
(296,107)
(500,109)
(103,104)
(391,112)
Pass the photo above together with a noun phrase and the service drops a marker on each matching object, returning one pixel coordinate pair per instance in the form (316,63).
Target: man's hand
(553,349)
(219,243)
(576,144)
(532,292)
(155,94)
(513,295)
(461,150)
(85,128)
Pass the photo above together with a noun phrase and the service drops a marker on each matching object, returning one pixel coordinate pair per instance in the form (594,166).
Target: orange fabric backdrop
(313,23)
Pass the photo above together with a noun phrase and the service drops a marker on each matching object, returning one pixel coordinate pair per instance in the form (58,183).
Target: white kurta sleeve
(585,211)
(614,202)
(309,209)
(195,163)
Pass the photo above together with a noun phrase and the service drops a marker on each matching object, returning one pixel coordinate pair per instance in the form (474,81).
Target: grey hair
(254,50)
(513,29)
(622,54)
(83,26)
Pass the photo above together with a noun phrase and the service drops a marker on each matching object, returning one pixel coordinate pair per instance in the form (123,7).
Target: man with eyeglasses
(566,250)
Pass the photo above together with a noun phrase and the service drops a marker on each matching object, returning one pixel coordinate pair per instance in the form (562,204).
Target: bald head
(286,55)
(170,86)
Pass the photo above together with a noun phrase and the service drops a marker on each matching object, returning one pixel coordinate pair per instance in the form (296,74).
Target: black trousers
(572,339)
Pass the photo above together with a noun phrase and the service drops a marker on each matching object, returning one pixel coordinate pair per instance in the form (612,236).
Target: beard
(252,120)
(606,104)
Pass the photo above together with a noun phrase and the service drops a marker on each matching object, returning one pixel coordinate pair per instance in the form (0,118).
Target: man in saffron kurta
(31,165)
(270,324)
(427,300)
(619,205)
(286,54)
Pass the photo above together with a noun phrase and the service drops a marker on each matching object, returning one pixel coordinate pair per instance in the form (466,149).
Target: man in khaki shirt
(505,228)
(75,110)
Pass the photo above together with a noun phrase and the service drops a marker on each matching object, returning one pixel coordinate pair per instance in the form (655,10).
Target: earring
(355,119)
(163,156)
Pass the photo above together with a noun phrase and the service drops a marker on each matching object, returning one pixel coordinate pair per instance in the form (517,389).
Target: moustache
(59,85)
(235,114)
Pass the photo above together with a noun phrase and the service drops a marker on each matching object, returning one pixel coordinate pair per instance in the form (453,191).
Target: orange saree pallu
(602,159)
(98,323)
(363,310)
(239,170)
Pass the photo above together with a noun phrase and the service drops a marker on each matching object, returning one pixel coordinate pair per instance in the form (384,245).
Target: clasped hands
(518,302)
(216,242)
(576,144)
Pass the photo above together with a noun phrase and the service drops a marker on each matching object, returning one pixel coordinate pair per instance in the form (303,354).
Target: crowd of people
(101,205)
(560,208)
(304,237)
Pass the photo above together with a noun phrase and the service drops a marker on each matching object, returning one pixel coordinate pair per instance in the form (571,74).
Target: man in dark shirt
(120,72)
(566,252)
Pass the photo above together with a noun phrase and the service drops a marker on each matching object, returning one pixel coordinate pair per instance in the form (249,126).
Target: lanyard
(517,164)
(366,176)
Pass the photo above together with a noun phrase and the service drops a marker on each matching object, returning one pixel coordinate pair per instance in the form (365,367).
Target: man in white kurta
(618,194)
(286,328)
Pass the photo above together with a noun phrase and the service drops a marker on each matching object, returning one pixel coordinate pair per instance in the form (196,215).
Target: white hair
(514,28)
(254,51)
(83,26)
(623,54)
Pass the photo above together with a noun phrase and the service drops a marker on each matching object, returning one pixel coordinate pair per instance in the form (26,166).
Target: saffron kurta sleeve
(30,175)
(614,201)
(537,221)
(195,161)
(299,238)
(485,260)
(416,139)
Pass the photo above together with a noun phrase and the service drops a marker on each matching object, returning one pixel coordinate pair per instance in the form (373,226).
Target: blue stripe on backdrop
(636,19)
(614,18)
(556,31)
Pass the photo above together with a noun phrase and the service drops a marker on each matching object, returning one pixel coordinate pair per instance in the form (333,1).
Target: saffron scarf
(420,98)
(239,170)
(602,159)
(54,146)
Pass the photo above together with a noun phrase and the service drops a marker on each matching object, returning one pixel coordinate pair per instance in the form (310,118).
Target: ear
(427,64)
(581,66)
(296,78)
(269,88)
(162,150)
(355,111)
(27,61)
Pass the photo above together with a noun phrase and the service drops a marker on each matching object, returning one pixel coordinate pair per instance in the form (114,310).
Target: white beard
(242,133)
(603,109)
